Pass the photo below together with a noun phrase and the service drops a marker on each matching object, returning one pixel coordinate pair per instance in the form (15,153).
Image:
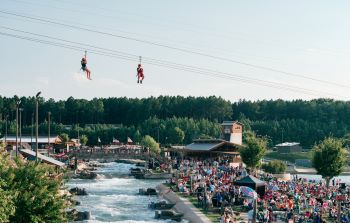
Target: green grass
(291,157)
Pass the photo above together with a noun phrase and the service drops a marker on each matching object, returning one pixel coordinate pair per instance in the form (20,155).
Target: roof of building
(230,123)
(46,159)
(208,144)
(28,139)
(288,144)
(203,146)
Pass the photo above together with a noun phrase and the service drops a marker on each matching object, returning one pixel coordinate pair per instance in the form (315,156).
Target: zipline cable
(181,67)
(175,48)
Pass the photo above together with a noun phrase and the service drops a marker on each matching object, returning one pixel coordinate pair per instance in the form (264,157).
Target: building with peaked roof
(289,147)
(211,146)
(55,139)
(27,141)
(229,145)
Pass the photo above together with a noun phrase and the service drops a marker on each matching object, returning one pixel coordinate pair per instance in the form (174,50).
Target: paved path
(191,213)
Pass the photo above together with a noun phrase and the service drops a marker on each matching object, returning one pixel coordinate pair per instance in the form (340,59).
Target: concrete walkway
(191,213)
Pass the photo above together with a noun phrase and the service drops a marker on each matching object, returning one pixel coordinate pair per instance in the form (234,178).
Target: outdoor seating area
(228,194)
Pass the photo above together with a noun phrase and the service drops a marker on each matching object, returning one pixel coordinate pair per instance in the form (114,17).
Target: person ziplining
(84,68)
(140,76)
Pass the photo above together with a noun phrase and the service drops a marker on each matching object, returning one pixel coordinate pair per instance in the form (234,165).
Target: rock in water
(78,191)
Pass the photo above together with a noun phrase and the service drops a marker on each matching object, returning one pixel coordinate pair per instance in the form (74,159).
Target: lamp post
(37,124)
(48,137)
(6,117)
(78,136)
(17,107)
(20,128)
(31,137)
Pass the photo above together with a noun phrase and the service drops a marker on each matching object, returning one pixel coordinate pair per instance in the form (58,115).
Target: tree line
(302,121)
(126,111)
(307,122)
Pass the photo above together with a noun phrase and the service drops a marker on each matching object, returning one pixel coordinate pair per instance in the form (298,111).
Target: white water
(114,196)
(343,179)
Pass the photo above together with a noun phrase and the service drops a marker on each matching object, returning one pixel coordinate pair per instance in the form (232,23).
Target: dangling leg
(143,77)
(88,74)
(138,79)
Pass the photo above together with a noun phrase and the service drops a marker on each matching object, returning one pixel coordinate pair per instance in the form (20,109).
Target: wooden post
(339,211)
(254,210)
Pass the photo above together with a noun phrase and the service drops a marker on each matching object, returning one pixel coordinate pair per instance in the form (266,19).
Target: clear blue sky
(309,38)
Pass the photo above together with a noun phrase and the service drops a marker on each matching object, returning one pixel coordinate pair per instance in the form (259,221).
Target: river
(343,179)
(113,196)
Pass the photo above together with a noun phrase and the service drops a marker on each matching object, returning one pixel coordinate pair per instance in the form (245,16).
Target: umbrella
(274,188)
(248,192)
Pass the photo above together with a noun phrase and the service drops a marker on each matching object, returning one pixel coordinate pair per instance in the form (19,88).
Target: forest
(178,120)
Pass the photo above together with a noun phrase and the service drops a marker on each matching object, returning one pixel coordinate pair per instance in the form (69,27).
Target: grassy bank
(291,157)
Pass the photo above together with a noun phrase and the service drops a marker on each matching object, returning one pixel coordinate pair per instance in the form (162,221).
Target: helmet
(139,65)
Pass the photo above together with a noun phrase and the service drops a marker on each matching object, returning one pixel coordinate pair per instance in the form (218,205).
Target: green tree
(346,141)
(65,138)
(83,139)
(275,166)
(7,207)
(137,136)
(28,193)
(38,198)
(253,151)
(150,143)
(329,158)
(176,135)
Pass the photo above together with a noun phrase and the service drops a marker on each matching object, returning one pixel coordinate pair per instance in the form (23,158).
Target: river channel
(113,196)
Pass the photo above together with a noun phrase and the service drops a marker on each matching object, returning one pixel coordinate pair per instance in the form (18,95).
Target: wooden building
(289,147)
(228,146)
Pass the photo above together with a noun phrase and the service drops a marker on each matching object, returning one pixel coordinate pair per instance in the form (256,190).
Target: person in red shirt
(140,75)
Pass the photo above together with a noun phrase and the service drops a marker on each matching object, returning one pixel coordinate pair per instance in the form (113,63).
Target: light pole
(6,117)
(37,124)
(78,136)
(31,137)
(20,128)
(17,107)
(48,137)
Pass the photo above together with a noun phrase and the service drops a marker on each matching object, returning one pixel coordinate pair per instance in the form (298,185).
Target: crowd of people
(211,181)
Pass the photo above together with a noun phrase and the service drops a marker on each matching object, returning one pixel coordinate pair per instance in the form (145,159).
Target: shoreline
(310,171)
(191,213)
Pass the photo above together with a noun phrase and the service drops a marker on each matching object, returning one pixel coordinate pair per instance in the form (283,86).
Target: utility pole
(37,124)
(78,135)
(20,128)
(6,117)
(17,107)
(31,137)
(48,137)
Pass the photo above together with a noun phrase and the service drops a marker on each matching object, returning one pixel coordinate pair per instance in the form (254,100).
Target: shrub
(274,167)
